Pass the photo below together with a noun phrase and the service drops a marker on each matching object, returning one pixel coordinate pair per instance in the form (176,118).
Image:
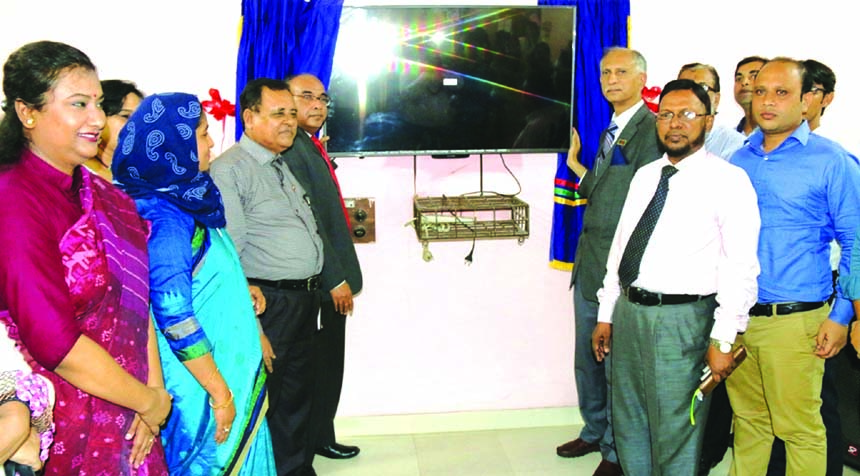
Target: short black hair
(750,59)
(252,95)
(115,91)
(821,74)
(688,85)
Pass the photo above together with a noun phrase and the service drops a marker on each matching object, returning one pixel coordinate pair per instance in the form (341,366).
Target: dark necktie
(628,270)
(606,147)
(333,177)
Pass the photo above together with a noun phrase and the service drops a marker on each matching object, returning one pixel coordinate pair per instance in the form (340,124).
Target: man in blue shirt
(808,190)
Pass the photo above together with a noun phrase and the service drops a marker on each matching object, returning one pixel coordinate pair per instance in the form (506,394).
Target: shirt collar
(689,161)
(622,119)
(261,154)
(801,135)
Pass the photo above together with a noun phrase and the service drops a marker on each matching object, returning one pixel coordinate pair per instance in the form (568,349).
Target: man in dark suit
(627,144)
(341,274)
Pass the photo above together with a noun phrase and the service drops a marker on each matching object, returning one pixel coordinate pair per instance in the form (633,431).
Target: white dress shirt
(705,241)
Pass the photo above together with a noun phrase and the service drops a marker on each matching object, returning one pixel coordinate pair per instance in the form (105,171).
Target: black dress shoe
(337,451)
(576,448)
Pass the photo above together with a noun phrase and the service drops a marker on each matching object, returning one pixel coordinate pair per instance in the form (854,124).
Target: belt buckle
(312,283)
(651,299)
(646,298)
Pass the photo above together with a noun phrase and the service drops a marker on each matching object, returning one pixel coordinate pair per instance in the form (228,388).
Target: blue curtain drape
(599,25)
(284,37)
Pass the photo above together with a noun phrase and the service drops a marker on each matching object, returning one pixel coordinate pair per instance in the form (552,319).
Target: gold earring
(29,121)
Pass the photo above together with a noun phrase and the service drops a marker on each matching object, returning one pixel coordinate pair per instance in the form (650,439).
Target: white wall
(440,336)
(670,33)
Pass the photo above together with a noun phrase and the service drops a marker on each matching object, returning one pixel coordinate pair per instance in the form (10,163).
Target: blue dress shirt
(808,193)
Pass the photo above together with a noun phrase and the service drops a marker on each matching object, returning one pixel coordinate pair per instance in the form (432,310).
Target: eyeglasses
(708,88)
(683,116)
(323,98)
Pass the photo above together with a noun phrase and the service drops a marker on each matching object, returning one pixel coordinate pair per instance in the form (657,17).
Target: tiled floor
(517,452)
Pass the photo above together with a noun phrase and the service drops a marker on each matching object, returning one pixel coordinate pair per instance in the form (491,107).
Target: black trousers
(718,430)
(328,358)
(290,322)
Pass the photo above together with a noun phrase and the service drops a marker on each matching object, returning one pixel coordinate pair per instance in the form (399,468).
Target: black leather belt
(647,298)
(784,308)
(309,284)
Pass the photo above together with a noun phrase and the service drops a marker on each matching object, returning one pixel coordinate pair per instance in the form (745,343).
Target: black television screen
(451,80)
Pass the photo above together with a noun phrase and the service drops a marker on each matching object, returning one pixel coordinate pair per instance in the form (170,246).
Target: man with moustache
(270,220)
(680,279)
(745,73)
(808,191)
(341,273)
(627,144)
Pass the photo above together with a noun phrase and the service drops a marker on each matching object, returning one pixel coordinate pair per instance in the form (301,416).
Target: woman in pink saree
(74,270)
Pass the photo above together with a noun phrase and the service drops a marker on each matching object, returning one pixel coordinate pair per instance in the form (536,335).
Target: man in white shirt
(680,280)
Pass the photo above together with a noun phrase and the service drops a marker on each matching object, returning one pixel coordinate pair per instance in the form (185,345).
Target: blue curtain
(284,37)
(599,25)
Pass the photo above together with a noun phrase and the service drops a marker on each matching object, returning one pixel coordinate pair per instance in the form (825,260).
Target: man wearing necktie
(341,274)
(680,280)
(628,144)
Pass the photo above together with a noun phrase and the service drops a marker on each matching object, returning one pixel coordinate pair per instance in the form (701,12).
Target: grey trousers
(592,380)
(658,356)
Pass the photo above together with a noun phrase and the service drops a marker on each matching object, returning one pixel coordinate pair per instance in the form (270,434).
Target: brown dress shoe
(576,448)
(608,468)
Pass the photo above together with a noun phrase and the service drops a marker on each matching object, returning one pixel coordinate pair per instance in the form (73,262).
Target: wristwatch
(722,346)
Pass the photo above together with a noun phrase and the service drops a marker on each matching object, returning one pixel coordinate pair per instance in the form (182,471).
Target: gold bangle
(223,405)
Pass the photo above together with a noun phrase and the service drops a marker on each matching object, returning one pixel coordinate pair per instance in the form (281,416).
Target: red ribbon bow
(219,108)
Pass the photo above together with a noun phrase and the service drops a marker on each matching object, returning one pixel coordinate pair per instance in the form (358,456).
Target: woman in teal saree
(209,339)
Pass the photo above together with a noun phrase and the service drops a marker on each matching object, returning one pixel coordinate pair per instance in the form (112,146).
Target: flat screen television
(451,81)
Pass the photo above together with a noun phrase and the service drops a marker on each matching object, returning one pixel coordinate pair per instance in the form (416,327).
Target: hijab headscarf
(157,156)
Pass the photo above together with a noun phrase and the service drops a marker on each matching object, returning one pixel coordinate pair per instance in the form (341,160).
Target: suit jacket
(340,261)
(606,191)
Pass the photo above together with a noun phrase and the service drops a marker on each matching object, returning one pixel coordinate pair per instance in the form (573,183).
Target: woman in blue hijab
(209,340)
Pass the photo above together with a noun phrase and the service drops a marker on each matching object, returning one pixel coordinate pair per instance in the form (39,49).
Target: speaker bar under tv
(450,81)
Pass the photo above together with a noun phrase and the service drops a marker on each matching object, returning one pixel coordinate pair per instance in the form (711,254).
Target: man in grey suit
(341,273)
(627,144)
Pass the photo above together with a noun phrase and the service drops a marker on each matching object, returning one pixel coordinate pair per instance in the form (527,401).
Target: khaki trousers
(777,392)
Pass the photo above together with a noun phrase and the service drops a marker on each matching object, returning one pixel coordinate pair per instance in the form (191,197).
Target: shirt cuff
(725,329)
(338,285)
(842,311)
(607,301)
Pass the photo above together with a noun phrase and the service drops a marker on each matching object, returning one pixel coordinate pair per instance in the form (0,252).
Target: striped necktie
(628,270)
(606,147)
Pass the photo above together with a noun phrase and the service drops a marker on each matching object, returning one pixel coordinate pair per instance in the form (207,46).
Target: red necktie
(333,177)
